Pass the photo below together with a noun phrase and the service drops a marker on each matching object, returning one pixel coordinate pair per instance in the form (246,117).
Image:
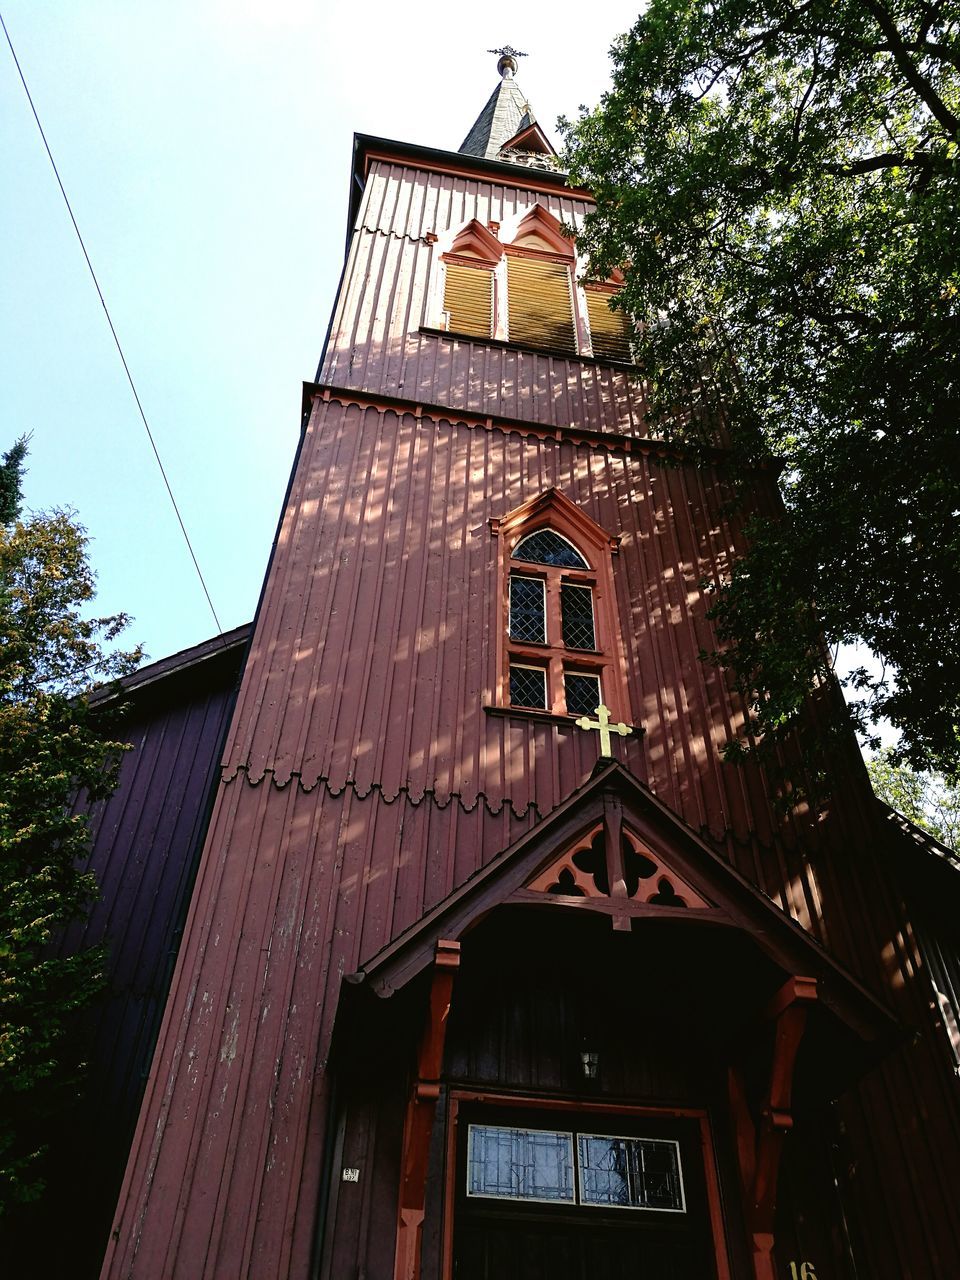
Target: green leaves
(52,749)
(782,180)
(11,473)
(927,799)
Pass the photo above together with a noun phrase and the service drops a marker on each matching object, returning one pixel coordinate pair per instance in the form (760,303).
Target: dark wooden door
(573,1196)
(575,1252)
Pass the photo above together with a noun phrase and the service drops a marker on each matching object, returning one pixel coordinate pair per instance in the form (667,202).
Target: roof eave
(176,664)
(365,144)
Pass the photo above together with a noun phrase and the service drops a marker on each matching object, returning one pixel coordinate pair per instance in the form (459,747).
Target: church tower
(493,969)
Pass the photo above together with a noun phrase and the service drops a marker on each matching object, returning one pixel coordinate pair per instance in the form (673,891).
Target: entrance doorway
(565,1194)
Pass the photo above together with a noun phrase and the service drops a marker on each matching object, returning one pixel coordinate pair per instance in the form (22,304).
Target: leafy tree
(52,746)
(781,179)
(11,473)
(928,799)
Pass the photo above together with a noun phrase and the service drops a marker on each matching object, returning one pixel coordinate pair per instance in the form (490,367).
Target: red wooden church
(477,981)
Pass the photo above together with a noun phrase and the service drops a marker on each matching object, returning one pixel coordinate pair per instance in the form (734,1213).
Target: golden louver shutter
(540,303)
(468,300)
(609,329)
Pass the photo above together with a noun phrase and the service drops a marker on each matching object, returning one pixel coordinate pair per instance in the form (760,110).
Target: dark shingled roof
(506,113)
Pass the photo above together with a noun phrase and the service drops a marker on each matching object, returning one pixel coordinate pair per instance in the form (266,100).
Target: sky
(205,146)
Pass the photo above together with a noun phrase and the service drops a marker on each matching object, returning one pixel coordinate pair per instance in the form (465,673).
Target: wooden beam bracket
(760,1146)
(421,1112)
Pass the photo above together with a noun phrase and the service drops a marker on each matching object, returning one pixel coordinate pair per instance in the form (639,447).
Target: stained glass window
(528,620)
(635,1173)
(528,687)
(562,603)
(603,1171)
(582,693)
(547,547)
(520,1164)
(576,612)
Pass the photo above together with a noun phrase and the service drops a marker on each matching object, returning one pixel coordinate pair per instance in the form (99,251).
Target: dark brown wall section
(145,843)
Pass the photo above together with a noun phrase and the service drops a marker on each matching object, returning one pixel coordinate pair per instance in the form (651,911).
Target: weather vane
(507,59)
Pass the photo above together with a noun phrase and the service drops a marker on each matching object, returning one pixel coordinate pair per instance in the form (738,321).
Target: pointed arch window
(560,648)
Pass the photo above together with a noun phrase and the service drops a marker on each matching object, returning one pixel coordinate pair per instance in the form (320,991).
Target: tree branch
(933,49)
(921,87)
(892,160)
(806,97)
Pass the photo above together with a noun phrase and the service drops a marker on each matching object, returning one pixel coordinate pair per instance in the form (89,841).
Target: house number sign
(802,1271)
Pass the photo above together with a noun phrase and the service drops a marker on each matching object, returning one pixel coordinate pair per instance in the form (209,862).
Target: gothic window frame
(555,658)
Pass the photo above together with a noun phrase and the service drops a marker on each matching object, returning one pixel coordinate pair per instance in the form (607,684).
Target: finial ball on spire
(507,60)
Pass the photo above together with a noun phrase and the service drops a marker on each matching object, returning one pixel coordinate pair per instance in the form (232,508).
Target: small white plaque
(351,1175)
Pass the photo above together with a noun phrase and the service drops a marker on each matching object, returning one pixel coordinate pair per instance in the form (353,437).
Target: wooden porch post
(760,1147)
(421,1111)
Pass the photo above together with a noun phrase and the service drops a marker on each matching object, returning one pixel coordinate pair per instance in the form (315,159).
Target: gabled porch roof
(725,899)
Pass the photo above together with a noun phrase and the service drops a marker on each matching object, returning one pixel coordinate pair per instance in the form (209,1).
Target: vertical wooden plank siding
(365,776)
(145,842)
(393,289)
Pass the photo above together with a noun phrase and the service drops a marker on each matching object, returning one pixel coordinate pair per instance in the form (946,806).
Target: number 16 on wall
(802,1271)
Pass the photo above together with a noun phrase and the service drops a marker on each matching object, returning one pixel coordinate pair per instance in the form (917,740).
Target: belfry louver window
(609,329)
(470,281)
(468,300)
(522,284)
(540,303)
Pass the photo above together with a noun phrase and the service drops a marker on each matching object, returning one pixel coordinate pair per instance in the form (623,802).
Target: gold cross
(602,723)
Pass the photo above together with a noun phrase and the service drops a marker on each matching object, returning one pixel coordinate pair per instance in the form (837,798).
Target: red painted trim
(540,222)
(464,260)
(554,1103)
(613,283)
(627,907)
(449,1188)
(478,237)
(537,511)
(714,1204)
(547,255)
(760,1147)
(610,441)
(421,1111)
(520,138)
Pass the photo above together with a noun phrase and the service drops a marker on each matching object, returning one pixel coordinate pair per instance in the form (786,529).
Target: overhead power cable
(106,312)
